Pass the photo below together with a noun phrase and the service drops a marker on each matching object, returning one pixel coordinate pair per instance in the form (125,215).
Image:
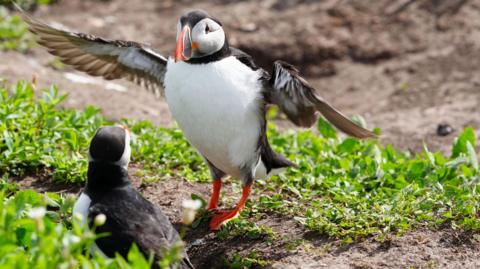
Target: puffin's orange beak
(183,51)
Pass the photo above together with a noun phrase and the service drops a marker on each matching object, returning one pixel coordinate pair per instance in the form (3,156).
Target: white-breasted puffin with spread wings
(217,94)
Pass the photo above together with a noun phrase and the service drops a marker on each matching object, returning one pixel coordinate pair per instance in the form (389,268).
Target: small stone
(249,27)
(444,129)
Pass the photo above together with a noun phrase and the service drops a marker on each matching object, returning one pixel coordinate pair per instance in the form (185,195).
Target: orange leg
(222,217)
(217,185)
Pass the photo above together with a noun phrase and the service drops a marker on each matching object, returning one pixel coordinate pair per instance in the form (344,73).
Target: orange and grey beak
(183,51)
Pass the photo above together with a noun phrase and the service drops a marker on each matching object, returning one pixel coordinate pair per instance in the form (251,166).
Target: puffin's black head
(111,144)
(198,35)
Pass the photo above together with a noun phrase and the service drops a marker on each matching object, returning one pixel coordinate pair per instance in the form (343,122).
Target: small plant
(239,227)
(14,34)
(250,261)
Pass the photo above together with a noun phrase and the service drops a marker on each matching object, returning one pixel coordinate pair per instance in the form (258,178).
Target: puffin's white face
(205,38)
(127,152)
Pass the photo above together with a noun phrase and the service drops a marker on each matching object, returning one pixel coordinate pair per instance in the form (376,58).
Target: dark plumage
(130,218)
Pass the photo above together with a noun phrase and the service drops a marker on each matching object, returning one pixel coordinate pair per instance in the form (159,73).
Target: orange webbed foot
(221,217)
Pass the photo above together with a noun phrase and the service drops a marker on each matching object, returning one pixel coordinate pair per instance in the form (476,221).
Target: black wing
(243,57)
(111,59)
(132,219)
(297,99)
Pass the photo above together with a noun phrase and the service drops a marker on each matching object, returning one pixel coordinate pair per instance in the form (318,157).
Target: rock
(444,129)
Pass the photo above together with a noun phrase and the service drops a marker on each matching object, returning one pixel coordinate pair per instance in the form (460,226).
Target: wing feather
(297,99)
(111,59)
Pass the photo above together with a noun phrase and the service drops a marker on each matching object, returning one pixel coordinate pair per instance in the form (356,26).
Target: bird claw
(221,217)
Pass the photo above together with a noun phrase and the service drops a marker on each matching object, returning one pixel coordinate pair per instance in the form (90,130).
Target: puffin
(130,218)
(217,94)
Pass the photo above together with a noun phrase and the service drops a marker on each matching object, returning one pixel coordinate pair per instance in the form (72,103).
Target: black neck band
(102,177)
(222,53)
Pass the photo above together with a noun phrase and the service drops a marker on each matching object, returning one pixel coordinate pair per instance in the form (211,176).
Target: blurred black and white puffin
(216,93)
(130,218)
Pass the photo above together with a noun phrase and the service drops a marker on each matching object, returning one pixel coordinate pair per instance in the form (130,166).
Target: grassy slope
(343,188)
(36,135)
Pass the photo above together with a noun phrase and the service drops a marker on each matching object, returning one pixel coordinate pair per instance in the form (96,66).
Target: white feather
(81,207)
(260,171)
(217,107)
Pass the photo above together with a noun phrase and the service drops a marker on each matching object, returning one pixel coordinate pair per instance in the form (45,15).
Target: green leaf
(325,128)
(348,145)
(472,155)
(460,144)
(430,156)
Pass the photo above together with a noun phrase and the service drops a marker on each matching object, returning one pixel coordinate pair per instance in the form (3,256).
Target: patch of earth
(291,246)
(444,248)
(405,66)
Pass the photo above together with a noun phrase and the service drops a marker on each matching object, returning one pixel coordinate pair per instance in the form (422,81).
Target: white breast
(81,207)
(217,107)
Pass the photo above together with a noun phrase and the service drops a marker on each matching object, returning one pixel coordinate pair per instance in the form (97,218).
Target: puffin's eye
(207,29)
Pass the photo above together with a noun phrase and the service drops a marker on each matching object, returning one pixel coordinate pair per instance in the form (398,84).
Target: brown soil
(292,245)
(406,66)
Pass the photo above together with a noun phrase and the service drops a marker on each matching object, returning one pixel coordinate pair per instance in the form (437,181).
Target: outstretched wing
(111,59)
(297,99)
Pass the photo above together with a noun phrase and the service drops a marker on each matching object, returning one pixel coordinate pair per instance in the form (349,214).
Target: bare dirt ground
(293,247)
(405,66)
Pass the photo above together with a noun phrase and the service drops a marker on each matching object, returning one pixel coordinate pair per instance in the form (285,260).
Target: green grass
(244,228)
(350,189)
(250,261)
(344,188)
(49,241)
(14,34)
(35,134)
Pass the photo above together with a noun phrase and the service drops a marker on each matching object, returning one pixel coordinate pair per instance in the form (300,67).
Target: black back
(243,57)
(130,218)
